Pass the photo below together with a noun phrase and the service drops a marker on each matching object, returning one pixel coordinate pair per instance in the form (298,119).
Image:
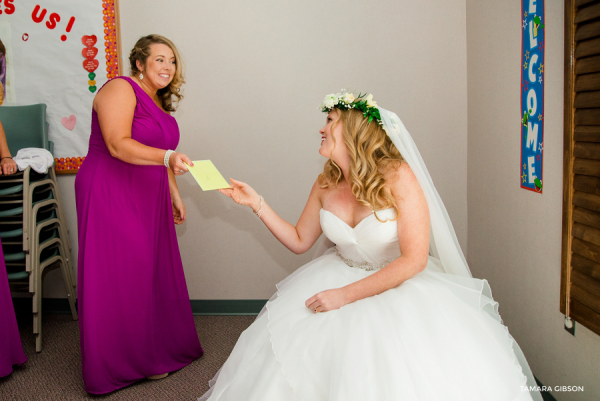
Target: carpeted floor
(55,373)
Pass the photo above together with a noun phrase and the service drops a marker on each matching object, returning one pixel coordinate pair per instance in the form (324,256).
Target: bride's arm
(299,238)
(413,236)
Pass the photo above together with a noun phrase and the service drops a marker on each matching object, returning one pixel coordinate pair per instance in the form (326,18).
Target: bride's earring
(141,76)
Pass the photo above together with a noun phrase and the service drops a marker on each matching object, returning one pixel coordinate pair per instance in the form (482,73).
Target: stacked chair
(33,228)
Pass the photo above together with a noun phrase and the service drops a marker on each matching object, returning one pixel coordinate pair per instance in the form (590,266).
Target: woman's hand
(327,300)
(179,211)
(242,194)
(179,162)
(8,166)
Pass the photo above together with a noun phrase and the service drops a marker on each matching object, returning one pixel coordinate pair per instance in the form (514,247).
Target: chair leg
(65,235)
(66,254)
(26,208)
(35,307)
(67,279)
(60,208)
(32,266)
(64,228)
(35,289)
(37,317)
(38,341)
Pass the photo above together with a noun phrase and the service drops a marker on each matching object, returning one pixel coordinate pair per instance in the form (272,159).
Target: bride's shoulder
(397,172)
(322,190)
(318,188)
(400,178)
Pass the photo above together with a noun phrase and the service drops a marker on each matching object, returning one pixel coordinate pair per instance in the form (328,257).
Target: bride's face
(331,149)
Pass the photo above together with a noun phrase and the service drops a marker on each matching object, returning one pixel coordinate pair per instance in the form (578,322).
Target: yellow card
(207,175)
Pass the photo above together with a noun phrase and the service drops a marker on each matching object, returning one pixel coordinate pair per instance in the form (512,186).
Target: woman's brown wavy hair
(371,154)
(170,94)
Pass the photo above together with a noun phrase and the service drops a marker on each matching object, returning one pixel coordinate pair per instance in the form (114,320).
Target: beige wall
(256,72)
(514,235)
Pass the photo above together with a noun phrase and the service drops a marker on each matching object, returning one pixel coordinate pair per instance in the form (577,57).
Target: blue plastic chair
(20,198)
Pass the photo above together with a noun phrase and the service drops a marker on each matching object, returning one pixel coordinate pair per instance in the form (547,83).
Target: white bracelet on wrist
(259,206)
(168,154)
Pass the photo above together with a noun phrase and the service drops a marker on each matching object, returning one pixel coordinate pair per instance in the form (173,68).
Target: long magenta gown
(11,349)
(135,317)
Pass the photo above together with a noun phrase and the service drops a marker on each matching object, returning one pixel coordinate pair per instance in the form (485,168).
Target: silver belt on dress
(362,265)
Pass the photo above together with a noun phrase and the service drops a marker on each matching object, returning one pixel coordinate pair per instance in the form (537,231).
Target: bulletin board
(59,52)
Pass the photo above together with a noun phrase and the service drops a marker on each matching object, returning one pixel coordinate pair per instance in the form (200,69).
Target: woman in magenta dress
(11,350)
(135,317)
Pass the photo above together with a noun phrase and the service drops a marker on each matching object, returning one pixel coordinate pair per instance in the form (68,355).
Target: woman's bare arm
(299,238)
(7,164)
(115,106)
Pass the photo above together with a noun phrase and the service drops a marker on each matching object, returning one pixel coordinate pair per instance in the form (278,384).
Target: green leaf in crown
(346,100)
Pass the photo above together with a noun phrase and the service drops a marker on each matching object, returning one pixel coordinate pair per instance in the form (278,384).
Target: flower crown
(346,100)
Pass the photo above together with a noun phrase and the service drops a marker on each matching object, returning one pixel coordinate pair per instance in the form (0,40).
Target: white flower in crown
(349,98)
(330,101)
(370,101)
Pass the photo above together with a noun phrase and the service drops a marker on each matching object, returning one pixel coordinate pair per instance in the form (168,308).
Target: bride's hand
(327,300)
(242,194)
(179,211)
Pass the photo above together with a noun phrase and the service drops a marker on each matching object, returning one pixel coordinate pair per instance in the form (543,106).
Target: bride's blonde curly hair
(371,154)
(170,94)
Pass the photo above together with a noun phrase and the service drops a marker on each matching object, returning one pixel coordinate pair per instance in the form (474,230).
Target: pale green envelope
(207,175)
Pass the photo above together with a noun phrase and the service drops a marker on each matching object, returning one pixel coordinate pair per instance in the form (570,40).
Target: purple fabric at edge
(11,350)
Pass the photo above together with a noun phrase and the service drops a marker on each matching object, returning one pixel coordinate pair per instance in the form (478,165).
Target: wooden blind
(580,274)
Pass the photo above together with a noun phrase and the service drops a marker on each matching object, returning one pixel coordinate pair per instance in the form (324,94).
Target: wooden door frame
(568,175)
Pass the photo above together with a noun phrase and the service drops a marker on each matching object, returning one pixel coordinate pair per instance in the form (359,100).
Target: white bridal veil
(443,242)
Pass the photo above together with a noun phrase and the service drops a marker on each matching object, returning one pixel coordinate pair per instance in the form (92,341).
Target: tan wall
(514,234)
(256,72)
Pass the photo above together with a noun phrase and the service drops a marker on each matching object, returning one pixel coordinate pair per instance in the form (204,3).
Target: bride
(391,312)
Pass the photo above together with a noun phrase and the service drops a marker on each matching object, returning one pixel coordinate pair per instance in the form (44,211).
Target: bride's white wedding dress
(434,337)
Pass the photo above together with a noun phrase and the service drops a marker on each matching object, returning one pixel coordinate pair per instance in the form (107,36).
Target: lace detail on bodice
(370,244)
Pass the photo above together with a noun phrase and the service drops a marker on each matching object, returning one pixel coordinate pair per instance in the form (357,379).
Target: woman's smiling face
(160,66)
(332,142)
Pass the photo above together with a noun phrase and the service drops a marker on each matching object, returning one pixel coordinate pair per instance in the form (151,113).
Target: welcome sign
(532,95)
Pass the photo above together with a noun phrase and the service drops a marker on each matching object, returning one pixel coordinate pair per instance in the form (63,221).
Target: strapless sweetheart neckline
(360,222)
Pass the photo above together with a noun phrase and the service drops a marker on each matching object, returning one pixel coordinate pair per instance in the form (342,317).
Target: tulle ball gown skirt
(435,337)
